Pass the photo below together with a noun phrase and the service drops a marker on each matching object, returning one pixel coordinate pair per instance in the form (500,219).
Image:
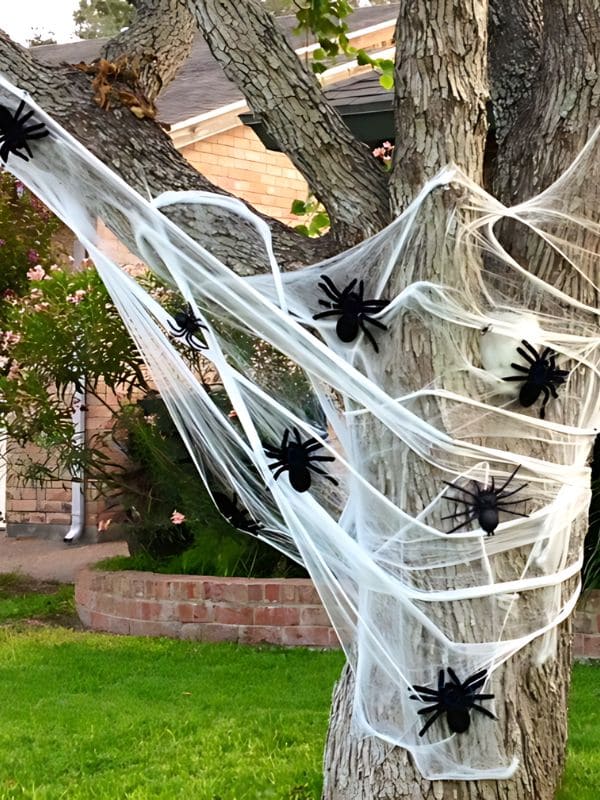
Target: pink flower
(10,339)
(37,273)
(177,518)
(33,256)
(77,296)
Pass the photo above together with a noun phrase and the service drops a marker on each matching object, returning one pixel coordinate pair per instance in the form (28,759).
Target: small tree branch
(255,55)
(150,41)
(143,154)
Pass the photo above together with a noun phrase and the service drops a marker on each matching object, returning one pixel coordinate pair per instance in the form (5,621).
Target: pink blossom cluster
(384,152)
(77,296)
(9,339)
(37,273)
(177,518)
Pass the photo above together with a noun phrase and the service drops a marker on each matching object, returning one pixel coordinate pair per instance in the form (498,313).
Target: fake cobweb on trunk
(431,586)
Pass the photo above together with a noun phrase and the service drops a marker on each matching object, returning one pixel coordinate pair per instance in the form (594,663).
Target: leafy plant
(316,221)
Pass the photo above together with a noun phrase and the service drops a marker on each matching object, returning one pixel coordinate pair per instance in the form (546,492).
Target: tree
(529,64)
(96,19)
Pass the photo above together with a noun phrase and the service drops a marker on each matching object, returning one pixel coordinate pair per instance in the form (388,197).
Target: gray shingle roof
(201,85)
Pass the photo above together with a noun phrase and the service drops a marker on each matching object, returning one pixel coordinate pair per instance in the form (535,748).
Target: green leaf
(299,208)
(319,54)
(318,67)
(302,229)
(387,80)
(362,58)
(321,220)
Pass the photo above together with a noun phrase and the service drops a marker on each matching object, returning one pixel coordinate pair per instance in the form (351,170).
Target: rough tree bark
(545,92)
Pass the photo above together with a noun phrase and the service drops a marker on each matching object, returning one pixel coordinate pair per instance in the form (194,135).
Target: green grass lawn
(88,716)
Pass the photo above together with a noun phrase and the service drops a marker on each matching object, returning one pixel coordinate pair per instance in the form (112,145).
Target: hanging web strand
(426,604)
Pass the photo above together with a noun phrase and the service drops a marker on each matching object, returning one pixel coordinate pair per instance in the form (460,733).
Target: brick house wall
(238,162)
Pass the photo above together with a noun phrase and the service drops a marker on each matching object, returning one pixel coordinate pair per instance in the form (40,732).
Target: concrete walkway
(51,560)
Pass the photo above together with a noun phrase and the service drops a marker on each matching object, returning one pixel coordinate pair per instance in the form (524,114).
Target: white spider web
(407,599)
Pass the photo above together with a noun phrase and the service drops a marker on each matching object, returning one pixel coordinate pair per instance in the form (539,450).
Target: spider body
(14,132)
(454,699)
(234,514)
(297,458)
(188,326)
(540,376)
(353,310)
(485,503)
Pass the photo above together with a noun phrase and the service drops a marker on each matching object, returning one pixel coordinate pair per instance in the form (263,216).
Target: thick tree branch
(150,41)
(256,56)
(563,107)
(515,44)
(440,92)
(142,153)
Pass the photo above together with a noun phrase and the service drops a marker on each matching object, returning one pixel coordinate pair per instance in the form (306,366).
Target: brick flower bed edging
(247,610)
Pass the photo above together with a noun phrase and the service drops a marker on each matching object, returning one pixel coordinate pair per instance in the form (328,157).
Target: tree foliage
(96,19)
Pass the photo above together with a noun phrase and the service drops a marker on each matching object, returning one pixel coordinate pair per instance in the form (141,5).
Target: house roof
(201,85)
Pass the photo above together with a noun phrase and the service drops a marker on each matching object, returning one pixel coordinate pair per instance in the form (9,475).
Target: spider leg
(460,489)
(548,354)
(514,513)
(280,470)
(284,441)
(322,458)
(483,697)
(509,479)
(544,401)
(323,314)
(423,690)
(457,514)
(329,287)
(462,524)
(531,348)
(531,361)
(484,711)
(361,291)
(502,495)
(36,131)
(521,368)
(176,330)
(276,464)
(25,146)
(372,321)
(16,153)
(459,500)
(311,443)
(429,709)
(516,378)
(430,722)
(19,110)
(553,391)
(368,334)
(478,679)
(320,471)
(297,435)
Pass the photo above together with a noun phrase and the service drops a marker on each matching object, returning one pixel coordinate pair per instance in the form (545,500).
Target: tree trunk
(430,58)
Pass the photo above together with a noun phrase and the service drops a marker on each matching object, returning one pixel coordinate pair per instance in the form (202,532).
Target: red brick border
(253,611)
(247,610)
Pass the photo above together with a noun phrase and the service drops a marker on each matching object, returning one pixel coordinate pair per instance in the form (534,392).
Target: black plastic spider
(485,504)
(454,699)
(352,309)
(540,376)
(14,133)
(234,514)
(296,457)
(187,327)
